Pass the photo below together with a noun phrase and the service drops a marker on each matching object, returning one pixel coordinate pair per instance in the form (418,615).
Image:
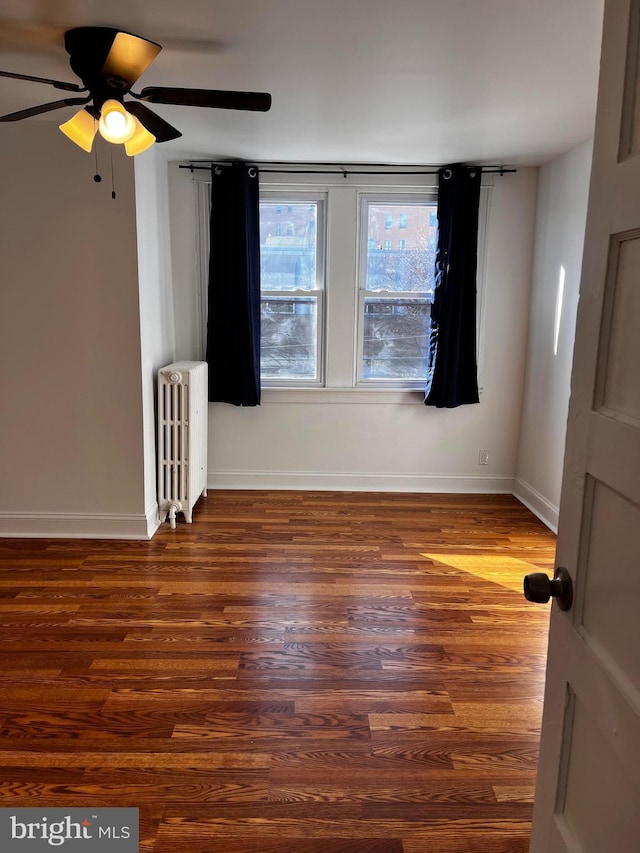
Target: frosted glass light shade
(81,129)
(116,124)
(140,141)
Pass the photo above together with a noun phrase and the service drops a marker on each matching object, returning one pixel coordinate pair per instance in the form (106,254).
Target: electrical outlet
(483,457)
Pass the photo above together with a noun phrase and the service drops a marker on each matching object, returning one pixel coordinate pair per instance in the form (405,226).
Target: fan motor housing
(91,58)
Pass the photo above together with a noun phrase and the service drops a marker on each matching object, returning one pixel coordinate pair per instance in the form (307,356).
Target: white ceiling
(353,81)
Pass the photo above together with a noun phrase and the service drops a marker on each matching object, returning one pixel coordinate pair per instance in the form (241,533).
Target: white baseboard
(49,525)
(352,482)
(46,525)
(537,503)
(153,520)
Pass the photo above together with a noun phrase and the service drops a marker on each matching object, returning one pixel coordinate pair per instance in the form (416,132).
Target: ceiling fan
(109,62)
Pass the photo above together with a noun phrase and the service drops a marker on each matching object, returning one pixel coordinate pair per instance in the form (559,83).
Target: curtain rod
(338,170)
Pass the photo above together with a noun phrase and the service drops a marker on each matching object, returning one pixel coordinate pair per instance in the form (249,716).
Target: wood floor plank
(300,672)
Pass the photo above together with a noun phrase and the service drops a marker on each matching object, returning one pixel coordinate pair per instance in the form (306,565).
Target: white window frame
(203,215)
(319,199)
(382,197)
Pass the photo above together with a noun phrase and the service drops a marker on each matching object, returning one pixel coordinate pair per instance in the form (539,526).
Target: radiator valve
(174,509)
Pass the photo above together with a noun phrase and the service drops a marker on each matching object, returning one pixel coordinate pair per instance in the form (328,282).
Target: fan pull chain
(113,188)
(97,178)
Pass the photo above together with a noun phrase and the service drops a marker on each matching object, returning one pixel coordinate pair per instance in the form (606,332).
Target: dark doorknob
(540,588)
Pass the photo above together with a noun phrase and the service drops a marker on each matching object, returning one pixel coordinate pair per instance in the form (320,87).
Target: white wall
(560,224)
(81,341)
(71,459)
(358,440)
(156,302)
(185,265)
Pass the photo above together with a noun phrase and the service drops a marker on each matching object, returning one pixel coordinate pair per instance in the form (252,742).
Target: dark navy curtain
(452,376)
(233,324)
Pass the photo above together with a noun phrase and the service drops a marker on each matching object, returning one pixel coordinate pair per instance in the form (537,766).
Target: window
(345,301)
(291,272)
(395,290)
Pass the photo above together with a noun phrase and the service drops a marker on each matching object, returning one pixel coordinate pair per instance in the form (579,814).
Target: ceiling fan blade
(214,98)
(97,54)
(58,84)
(160,128)
(43,108)
(129,57)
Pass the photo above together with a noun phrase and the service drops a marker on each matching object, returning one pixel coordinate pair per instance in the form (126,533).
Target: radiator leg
(173,511)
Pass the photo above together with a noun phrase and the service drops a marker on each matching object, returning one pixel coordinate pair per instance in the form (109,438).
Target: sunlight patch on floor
(506,571)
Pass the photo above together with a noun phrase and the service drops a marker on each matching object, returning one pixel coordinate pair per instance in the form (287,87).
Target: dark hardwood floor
(295,672)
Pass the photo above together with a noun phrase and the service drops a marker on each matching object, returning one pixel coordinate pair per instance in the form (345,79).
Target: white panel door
(588,794)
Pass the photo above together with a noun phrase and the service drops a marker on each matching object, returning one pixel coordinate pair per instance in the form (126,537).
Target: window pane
(289,337)
(401,261)
(288,245)
(396,338)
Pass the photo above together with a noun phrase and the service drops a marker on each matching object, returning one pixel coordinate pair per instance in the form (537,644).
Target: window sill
(394,396)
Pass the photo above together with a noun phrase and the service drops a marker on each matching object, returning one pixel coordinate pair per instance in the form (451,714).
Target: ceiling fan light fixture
(81,129)
(116,124)
(108,62)
(140,141)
